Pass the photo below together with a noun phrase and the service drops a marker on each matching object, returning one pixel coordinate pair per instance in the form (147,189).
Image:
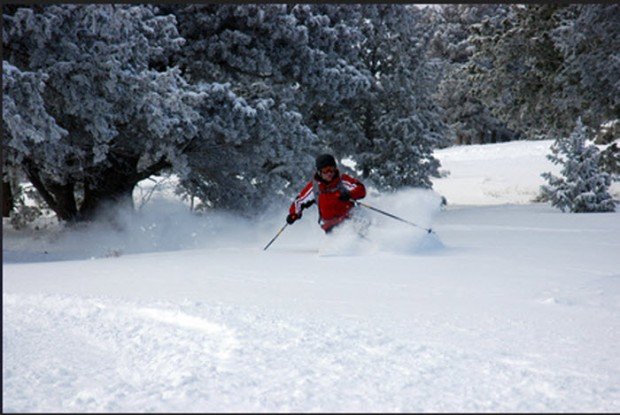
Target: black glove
(345,196)
(291,218)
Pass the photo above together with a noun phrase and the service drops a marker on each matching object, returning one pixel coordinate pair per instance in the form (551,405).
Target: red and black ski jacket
(332,210)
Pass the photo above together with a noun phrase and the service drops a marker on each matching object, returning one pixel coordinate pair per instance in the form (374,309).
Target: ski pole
(274,238)
(428,230)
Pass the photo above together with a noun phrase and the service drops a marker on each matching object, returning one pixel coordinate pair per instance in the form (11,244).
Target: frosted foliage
(511,69)
(96,63)
(293,55)
(29,131)
(279,45)
(588,36)
(286,61)
(263,156)
(92,55)
(129,114)
(450,39)
(471,121)
(397,123)
(543,66)
(583,186)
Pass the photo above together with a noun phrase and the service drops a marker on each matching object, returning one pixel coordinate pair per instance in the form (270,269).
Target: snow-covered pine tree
(547,64)
(588,37)
(292,58)
(470,120)
(93,61)
(393,128)
(127,113)
(583,186)
(514,67)
(39,136)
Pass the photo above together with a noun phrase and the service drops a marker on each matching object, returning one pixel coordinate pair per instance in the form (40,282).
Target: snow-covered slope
(508,306)
(497,173)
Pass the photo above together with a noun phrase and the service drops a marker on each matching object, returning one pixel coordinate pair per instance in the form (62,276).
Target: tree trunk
(114,186)
(104,189)
(59,197)
(114,193)
(66,206)
(7,199)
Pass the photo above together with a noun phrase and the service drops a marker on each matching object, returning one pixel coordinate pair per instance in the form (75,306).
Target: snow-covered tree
(269,49)
(468,117)
(588,37)
(393,128)
(124,112)
(94,62)
(296,57)
(32,140)
(513,69)
(235,99)
(583,186)
(547,64)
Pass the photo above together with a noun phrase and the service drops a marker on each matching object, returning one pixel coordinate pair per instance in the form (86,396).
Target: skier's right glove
(291,218)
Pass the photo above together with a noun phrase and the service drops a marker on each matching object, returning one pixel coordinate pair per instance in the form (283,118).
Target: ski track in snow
(118,355)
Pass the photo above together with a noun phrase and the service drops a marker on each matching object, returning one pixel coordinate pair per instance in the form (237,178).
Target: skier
(332,191)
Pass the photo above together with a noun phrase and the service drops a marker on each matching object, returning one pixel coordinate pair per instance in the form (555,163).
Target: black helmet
(325,160)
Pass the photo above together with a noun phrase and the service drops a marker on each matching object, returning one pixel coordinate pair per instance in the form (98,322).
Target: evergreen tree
(588,37)
(469,118)
(583,186)
(513,69)
(39,138)
(544,65)
(235,99)
(95,96)
(610,160)
(32,140)
(296,59)
(391,130)
(110,111)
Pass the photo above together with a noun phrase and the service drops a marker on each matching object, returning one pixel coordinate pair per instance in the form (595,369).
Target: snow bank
(490,174)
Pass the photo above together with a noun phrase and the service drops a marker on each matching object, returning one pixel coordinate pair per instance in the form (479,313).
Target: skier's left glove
(291,218)
(345,196)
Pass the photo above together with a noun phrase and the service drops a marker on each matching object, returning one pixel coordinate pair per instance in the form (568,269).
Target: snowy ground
(510,306)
